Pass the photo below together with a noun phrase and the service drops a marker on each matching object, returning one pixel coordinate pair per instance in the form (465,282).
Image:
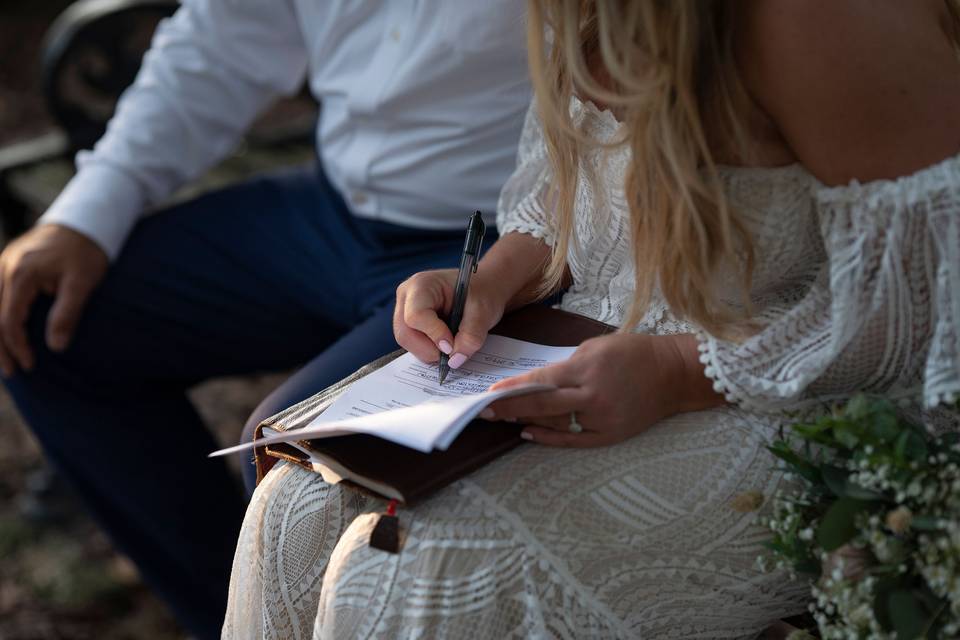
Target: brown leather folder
(394,471)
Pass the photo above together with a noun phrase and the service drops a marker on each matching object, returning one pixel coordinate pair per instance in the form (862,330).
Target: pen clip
(476,222)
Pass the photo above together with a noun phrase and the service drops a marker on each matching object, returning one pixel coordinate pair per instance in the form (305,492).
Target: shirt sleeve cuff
(100,202)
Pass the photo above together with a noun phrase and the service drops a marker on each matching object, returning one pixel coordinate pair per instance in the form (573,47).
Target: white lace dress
(857,288)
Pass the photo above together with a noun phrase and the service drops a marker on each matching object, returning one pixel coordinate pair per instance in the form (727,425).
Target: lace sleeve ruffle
(883,314)
(522,206)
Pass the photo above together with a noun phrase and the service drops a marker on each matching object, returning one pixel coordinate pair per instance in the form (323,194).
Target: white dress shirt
(422,106)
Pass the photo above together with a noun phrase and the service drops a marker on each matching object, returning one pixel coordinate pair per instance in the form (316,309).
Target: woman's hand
(507,277)
(426,297)
(618,385)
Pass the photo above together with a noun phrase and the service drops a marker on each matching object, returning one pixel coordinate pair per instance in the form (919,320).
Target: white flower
(861,616)
(899,520)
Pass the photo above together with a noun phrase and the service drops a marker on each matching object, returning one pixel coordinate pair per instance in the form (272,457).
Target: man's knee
(88,352)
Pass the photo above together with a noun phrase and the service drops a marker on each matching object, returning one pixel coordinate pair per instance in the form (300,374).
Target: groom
(109,312)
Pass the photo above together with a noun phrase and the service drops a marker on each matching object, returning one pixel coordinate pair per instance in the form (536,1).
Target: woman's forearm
(513,267)
(693,390)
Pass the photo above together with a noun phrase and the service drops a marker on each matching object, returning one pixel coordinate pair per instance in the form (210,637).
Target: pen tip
(443,374)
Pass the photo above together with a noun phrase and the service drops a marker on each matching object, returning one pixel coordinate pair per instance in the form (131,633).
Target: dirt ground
(60,578)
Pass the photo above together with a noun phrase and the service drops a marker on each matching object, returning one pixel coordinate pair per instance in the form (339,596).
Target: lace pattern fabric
(855,288)
(882,312)
(524,205)
(634,541)
(288,535)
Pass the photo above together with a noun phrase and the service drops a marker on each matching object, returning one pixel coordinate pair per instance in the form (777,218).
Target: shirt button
(395,34)
(359,198)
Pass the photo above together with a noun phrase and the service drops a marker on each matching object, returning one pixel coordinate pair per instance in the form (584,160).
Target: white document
(403,402)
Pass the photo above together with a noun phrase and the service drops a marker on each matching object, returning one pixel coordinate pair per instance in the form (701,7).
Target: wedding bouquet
(873,519)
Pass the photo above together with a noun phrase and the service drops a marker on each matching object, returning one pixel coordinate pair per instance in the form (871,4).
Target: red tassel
(386,533)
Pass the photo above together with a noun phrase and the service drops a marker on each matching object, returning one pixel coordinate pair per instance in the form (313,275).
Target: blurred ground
(59,576)
(60,579)
(22,25)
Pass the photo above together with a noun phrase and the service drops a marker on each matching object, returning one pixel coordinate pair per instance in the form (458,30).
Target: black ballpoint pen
(468,266)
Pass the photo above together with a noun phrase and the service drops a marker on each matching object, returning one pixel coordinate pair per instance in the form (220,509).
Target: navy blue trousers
(261,276)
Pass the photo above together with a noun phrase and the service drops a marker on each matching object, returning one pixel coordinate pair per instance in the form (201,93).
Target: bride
(765,196)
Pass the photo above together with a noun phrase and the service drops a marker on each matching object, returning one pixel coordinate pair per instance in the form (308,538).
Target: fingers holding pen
(428,323)
(482,311)
(423,303)
(411,339)
(416,320)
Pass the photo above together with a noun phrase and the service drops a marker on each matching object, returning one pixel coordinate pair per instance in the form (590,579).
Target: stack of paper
(403,402)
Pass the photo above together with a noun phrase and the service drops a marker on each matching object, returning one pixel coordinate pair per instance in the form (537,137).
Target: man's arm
(211,69)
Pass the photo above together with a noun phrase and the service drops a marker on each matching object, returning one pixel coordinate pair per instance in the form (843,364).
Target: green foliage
(839,523)
(906,613)
(884,488)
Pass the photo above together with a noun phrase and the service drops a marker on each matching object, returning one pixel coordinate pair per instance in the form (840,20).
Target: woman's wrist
(512,269)
(687,386)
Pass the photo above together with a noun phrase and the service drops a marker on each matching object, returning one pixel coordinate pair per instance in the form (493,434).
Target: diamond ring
(575,427)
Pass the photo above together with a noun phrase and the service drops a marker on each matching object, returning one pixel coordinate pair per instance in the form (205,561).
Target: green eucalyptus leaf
(910,446)
(901,446)
(839,522)
(916,447)
(777,547)
(803,558)
(812,429)
(857,408)
(901,476)
(925,523)
(937,613)
(931,602)
(808,565)
(839,483)
(854,490)
(884,427)
(798,464)
(835,478)
(907,614)
(884,586)
(881,606)
(820,432)
(883,404)
(847,436)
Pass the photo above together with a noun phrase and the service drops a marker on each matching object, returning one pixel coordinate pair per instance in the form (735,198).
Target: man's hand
(47,259)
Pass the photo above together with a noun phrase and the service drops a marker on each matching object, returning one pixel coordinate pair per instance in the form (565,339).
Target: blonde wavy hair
(666,68)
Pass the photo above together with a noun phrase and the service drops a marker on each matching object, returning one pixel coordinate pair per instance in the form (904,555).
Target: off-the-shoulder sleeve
(523,205)
(883,314)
